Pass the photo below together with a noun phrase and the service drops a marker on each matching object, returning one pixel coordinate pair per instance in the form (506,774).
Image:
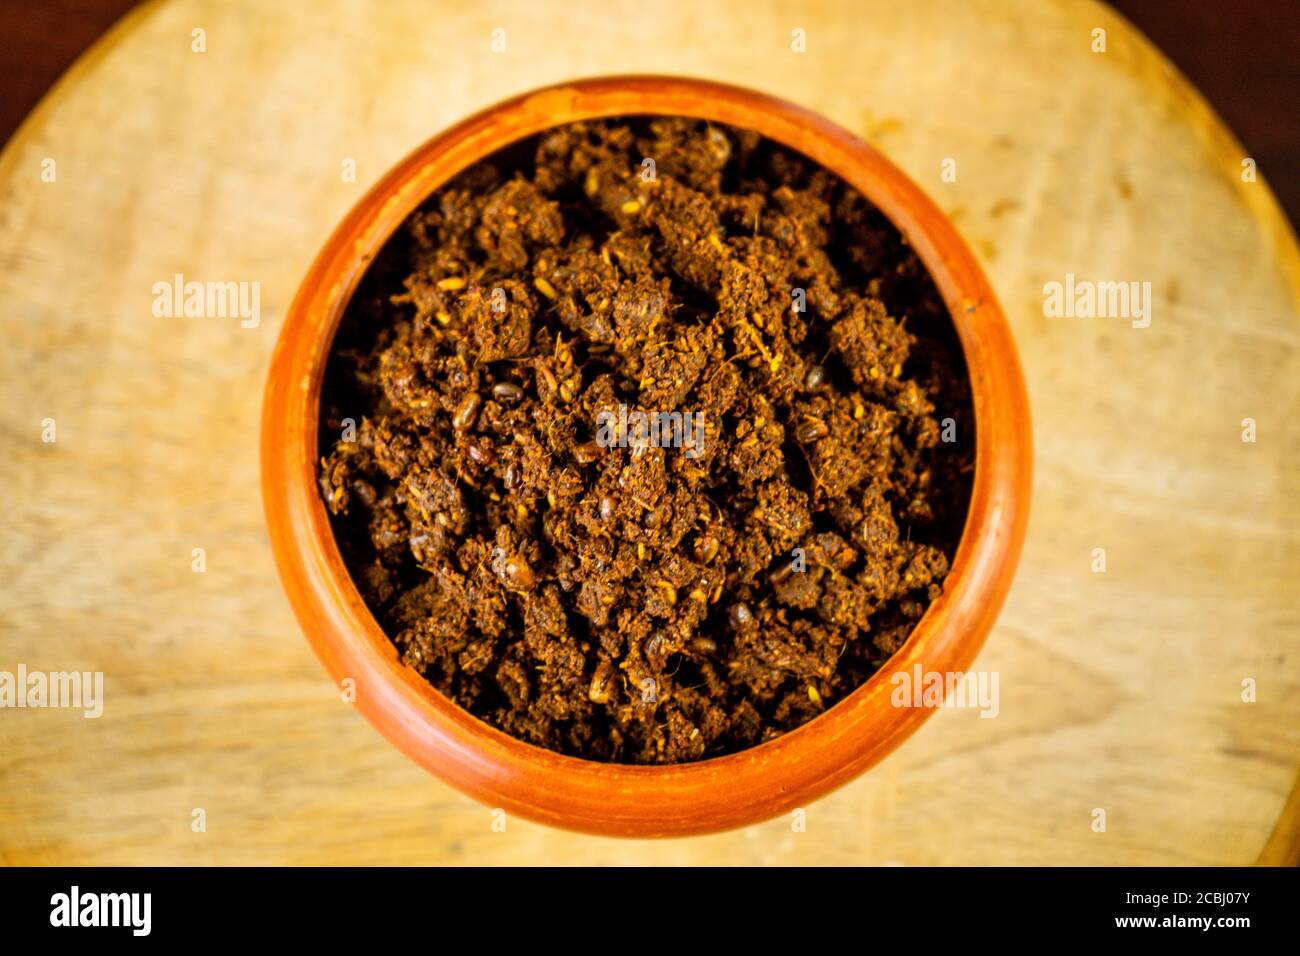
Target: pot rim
(620,799)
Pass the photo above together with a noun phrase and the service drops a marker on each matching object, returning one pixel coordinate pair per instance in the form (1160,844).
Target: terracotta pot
(714,794)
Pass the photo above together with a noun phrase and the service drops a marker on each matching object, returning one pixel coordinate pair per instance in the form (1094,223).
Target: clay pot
(714,794)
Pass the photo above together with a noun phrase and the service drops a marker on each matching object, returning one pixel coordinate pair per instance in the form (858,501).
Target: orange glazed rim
(618,799)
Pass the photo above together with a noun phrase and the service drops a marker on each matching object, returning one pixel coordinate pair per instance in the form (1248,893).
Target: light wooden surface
(1119,691)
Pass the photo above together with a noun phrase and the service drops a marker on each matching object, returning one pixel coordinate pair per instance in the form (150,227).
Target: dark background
(1244,55)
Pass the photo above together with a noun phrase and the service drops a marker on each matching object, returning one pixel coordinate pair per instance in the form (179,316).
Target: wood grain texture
(1119,690)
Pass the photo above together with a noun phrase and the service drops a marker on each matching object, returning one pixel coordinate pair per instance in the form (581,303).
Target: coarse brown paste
(629,594)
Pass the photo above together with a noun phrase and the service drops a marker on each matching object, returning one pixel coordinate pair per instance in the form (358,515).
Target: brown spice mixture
(646,604)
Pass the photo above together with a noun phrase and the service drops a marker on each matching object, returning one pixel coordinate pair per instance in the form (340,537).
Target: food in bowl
(647,439)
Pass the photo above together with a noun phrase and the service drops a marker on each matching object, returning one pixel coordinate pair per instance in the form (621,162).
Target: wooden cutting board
(1120,691)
